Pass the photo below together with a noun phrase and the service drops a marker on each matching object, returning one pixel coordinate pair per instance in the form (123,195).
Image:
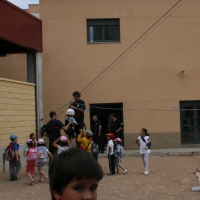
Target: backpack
(122,152)
(95,149)
(32,154)
(42,153)
(10,152)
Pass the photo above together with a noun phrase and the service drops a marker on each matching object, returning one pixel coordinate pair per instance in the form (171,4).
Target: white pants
(145,158)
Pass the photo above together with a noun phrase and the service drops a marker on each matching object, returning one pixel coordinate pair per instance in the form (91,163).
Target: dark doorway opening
(103,112)
(190,122)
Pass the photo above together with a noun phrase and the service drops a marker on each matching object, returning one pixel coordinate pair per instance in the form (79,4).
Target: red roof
(19,31)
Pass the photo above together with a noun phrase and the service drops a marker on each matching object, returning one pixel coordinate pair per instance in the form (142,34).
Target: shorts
(117,160)
(30,167)
(40,166)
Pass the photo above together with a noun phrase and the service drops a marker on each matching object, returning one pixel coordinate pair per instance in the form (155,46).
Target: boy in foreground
(74,175)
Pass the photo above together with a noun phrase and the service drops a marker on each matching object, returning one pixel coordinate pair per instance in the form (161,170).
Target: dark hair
(113,114)
(145,131)
(72,164)
(52,113)
(62,144)
(76,93)
(30,144)
(39,145)
(31,135)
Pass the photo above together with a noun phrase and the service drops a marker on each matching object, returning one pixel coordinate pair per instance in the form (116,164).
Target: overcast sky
(24,3)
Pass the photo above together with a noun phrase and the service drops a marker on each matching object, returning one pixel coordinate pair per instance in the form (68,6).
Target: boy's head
(13,138)
(71,171)
(117,140)
(40,142)
(70,112)
(109,136)
(29,142)
(89,133)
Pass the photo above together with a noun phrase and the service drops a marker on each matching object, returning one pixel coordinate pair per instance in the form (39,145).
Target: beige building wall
(146,80)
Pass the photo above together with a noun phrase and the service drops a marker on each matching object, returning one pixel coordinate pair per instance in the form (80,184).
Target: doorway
(190,118)
(103,112)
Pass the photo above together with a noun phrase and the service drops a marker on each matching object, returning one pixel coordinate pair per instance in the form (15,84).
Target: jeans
(14,167)
(145,158)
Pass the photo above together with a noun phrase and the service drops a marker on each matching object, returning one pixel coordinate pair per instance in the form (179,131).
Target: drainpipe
(39,96)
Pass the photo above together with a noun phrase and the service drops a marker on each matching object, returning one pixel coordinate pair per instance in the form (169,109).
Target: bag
(10,152)
(95,149)
(32,154)
(42,153)
(147,144)
(122,152)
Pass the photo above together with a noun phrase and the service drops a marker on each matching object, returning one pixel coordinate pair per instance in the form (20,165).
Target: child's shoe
(41,179)
(125,171)
(31,182)
(46,177)
(146,172)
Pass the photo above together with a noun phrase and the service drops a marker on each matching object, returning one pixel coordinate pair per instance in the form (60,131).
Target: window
(103,30)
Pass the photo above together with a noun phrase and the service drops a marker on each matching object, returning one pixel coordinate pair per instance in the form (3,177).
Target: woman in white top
(142,141)
(61,144)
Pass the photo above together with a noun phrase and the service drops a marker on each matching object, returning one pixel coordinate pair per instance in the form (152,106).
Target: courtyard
(170,178)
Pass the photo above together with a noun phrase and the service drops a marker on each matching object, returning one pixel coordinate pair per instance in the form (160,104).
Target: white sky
(24,3)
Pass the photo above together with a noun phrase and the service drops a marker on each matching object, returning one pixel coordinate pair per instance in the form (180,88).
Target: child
(61,144)
(85,140)
(32,156)
(71,133)
(74,175)
(110,153)
(94,149)
(117,150)
(32,136)
(142,141)
(43,153)
(15,164)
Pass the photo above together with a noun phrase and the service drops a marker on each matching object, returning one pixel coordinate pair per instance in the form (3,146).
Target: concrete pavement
(162,152)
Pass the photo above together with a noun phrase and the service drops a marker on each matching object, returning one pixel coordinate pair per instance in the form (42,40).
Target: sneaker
(41,179)
(15,177)
(46,177)
(31,182)
(125,171)
(146,172)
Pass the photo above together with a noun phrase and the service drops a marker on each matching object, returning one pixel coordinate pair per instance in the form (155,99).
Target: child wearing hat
(43,154)
(110,153)
(15,164)
(61,144)
(117,150)
(85,140)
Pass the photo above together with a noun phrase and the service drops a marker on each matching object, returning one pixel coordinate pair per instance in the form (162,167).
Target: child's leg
(146,165)
(111,164)
(11,170)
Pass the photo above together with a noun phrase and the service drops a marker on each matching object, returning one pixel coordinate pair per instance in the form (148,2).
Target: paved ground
(170,178)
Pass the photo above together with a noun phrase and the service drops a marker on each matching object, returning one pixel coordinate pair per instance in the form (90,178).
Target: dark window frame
(104,24)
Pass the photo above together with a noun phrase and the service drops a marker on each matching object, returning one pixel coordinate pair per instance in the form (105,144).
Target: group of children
(114,154)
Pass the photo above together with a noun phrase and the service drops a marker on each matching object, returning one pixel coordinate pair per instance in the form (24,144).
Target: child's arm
(25,152)
(109,150)
(80,137)
(50,155)
(55,143)
(137,142)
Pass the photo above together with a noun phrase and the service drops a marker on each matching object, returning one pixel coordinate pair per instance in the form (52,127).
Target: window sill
(117,42)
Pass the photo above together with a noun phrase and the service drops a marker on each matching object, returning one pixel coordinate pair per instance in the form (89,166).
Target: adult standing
(97,137)
(52,130)
(78,105)
(115,126)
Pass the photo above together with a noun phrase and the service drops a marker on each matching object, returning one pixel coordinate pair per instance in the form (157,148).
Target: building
(138,59)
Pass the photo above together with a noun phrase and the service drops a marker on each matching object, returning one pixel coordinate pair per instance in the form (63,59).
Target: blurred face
(76,98)
(79,190)
(15,140)
(142,133)
(107,137)
(94,118)
(33,137)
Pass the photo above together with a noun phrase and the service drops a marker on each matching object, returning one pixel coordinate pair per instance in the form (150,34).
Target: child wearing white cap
(43,154)
(61,144)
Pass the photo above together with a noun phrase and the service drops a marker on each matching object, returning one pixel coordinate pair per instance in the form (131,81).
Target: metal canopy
(20,32)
